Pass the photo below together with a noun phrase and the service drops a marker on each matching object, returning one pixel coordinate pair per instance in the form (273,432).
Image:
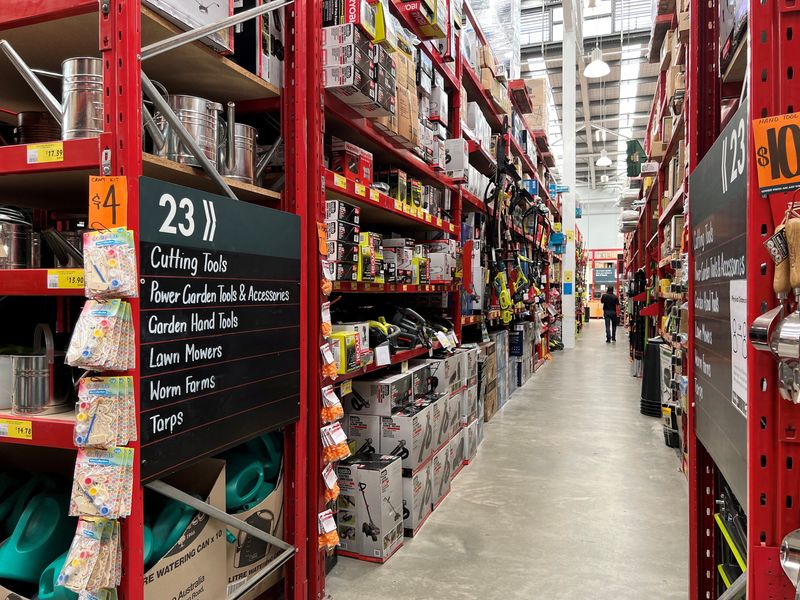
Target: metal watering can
(80,112)
(228,145)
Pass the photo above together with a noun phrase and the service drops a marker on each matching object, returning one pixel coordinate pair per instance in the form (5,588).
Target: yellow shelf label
(19,430)
(45,153)
(361,190)
(427,217)
(65,279)
(340,181)
(346,388)
(452,228)
(398,204)
(438,222)
(375,195)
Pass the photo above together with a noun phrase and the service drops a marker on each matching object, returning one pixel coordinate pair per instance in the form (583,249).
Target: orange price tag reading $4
(108,202)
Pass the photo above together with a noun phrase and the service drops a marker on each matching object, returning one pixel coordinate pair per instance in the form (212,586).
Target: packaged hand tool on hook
(94,566)
(334,443)
(109,259)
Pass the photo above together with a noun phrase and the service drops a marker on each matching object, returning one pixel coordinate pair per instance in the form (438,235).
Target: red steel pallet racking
(116,29)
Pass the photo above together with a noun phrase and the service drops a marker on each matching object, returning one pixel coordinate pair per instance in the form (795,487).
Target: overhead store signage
(718,222)
(635,157)
(219,325)
(605,275)
(776,141)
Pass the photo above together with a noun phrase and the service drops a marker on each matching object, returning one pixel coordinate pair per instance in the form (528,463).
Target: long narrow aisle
(573,495)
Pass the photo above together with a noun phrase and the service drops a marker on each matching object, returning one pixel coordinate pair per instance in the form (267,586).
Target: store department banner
(718,222)
(219,323)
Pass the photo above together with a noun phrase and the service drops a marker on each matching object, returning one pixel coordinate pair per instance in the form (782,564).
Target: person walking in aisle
(610,304)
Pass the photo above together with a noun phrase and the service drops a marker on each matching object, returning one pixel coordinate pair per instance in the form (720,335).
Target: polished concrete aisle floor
(573,496)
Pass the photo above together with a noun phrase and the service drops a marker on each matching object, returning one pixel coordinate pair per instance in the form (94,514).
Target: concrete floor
(573,496)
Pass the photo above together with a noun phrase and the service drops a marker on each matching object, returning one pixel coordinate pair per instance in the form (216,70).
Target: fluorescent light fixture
(597,67)
(603,161)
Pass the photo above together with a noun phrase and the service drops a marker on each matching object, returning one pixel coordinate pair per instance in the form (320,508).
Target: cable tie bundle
(103,483)
(109,259)
(103,339)
(105,414)
(94,560)
(334,443)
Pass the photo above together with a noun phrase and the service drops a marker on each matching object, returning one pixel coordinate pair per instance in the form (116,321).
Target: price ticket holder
(215,513)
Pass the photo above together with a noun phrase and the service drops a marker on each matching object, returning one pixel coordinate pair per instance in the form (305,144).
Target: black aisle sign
(718,221)
(220,323)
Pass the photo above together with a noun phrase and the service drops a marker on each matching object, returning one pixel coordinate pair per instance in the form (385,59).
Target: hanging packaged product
(328,361)
(103,483)
(109,259)
(328,536)
(331,491)
(326,326)
(332,409)
(334,443)
(105,594)
(94,561)
(103,339)
(328,276)
(105,415)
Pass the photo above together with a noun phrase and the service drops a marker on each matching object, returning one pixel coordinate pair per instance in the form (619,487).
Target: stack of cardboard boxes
(500,339)
(487,378)
(416,429)
(491,80)
(538,119)
(403,126)
(521,341)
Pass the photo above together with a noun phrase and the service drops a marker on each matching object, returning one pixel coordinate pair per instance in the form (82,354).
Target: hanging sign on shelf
(776,141)
(219,324)
(718,222)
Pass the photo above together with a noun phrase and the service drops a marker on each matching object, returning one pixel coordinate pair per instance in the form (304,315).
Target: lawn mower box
(455,401)
(375,482)
(417,497)
(469,405)
(457,450)
(441,468)
(193,567)
(249,555)
(409,435)
(440,419)
(471,441)
(379,396)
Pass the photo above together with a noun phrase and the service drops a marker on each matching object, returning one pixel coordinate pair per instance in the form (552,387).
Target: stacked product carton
(500,339)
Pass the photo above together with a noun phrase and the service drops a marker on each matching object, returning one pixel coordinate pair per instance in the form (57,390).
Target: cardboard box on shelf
(538,119)
(372,526)
(379,395)
(417,499)
(248,555)
(471,441)
(196,561)
(445,371)
(364,432)
(469,405)
(454,412)
(441,467)
(409,435)
(487,60)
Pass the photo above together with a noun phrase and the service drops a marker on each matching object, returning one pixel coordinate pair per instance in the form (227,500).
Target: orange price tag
(775,140)
(405,288)
(108,202)
(322,236)
(375,195)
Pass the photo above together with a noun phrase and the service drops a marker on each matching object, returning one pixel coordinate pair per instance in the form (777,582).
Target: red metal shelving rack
(119,24)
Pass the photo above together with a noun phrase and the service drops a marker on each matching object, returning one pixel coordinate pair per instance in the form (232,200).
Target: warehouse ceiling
(618,103)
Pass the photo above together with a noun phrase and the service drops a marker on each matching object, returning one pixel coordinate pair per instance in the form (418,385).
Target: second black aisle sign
(219,323)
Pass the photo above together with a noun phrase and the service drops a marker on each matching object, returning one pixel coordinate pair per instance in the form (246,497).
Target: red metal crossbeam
(18,13)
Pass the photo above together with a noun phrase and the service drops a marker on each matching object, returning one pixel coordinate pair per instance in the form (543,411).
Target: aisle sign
(108,202)
(718,225)
(776,141)
(219,328)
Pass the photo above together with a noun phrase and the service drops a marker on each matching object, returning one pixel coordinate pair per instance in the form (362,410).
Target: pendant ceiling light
(603,161)
(604,179)
(597,67)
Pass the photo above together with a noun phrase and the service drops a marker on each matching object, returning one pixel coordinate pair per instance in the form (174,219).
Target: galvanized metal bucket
(244,160)
(200,117)
(41,382)
(82,98)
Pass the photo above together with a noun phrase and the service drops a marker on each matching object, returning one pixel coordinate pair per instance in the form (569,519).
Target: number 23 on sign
(108,202)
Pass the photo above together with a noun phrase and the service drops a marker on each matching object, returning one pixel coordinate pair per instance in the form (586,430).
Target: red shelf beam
(671,208)
(480,158)
(360,127)
(18,13)
(56,431)
(520,96)
(77,155)
(33,282)
(476,93)
(472,199)
(398,358)
(393,288)
(368,197)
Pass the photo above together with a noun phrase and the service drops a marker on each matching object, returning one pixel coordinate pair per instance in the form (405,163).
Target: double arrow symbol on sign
(211,221)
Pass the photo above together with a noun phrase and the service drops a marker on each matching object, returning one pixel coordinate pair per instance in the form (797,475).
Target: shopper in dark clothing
(610,304)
